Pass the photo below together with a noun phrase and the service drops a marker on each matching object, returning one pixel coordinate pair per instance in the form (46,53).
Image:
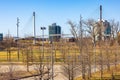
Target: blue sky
(52,11)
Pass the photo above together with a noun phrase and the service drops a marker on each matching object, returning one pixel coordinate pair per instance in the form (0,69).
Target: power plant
(102,28)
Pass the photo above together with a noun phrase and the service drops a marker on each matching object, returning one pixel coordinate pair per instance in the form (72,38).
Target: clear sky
(52,11)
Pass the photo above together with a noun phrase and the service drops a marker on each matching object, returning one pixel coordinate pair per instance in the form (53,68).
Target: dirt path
(57,71)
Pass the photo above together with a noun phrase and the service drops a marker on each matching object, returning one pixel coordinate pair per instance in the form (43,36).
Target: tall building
(54,32)
(1,36)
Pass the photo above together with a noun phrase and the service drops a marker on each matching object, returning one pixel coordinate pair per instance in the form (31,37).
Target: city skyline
(52,11)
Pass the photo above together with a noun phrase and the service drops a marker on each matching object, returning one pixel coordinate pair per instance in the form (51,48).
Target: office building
(54,32)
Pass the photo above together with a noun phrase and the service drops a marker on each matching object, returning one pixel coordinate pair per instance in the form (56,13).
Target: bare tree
(91,29)
(115,30)
(26,52)
(119,38)
(88,58)
(107,56)
(62,49)
(43,66)
(8,44)
(70,68)
(77,32)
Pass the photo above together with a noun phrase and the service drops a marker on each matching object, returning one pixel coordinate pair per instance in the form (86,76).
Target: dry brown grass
(106,73)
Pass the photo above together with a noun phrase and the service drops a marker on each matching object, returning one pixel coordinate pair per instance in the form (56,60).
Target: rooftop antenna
(34,41)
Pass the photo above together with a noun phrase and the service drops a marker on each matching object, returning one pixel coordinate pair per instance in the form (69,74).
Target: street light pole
(42,55)
(43,28)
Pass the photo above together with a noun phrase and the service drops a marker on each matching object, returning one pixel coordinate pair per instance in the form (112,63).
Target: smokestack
(100,12)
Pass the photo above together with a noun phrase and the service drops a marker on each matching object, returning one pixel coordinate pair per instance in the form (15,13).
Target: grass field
(61,52)
(4,56)
(37,51)
(107,75)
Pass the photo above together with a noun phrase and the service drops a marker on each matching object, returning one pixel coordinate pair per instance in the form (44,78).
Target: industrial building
(54,32)
(107,29)
(102,30)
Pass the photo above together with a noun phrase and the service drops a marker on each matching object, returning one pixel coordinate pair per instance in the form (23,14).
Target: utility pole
(18,36)
(9,45)
(34,41)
